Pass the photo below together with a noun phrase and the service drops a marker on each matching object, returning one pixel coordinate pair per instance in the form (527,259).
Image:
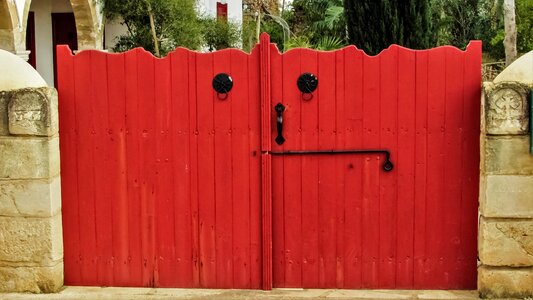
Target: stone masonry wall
(31,246)
(506,193)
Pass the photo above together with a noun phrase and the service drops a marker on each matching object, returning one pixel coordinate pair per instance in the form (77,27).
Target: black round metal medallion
(222,83)
(307,83)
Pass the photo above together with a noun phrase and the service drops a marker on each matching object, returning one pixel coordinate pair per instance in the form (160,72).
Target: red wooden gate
(167,184)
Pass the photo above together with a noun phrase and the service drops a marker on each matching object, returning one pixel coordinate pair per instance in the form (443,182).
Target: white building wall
(209,8)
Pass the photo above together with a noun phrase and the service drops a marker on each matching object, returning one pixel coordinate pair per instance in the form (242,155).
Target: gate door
(161,176)
(342,218)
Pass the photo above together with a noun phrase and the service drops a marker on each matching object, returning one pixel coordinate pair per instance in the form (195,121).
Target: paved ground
(83,293)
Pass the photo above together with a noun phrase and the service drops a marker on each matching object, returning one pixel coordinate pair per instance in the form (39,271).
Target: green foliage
(327,43)
(220,34)
(176,23)
(375,24)
(297,42)
(524,24)
(317,19)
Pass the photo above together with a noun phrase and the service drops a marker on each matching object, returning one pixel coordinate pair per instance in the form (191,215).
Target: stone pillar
(31,246)
(506,193)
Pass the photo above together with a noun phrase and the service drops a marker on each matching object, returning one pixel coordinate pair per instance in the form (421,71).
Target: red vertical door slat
(206,169)
(278,222)
(292,184)
(353,131)
(470,162)
(133,133)
(69,174)
(421,169)
(223,174)
(165,267)
(102,189)
(147,137)
(180,269)
(405,205)
(371,177)
(117,177)
(388,180)
(255,175)
(340,169)
(86,189)
(194,166)
(327,182)
(435,177)
(452,172)
(310,169)
(241,154)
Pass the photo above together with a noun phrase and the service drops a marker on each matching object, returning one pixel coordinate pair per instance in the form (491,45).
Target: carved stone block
(507,109)
(33,112)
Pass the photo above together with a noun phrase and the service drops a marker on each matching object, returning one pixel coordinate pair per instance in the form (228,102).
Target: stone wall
(506,193)
(31,246)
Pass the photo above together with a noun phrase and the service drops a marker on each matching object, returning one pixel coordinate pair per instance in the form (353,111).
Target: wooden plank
(420,176)
(182,131)
(278,220)
(240,165)
(405,160)
(371,172)
(165,266)
(69,164)
(194,163)
(257,259)
(85,147)
(206,169)
(453,171)
(292,171)
(264,49)
(470,158)
(340,166)
(102,188)
(435,177)
(118,166)
(310,210)
(353,115)
(327,181)
(133,132)
(223,176)
(147,137)
(388,180)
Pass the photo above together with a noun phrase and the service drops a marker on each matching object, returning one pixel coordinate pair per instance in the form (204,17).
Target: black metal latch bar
(387,165)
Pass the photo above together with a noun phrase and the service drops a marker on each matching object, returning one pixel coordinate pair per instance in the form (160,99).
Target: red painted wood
(260,275)
(69,178)
(388,120)
(181,174)
(310,210)
(164,188)
(328,184)
(352,116)
(278,233)
(165,184)
(405,205)
(135,259)
(240,167)
(421,167)
(116,144)
(371,201)
(470,161)
(102,190)
(85,114)
(206,169)
(266,161)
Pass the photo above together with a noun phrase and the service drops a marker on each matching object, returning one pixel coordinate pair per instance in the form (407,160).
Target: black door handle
(280,108)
